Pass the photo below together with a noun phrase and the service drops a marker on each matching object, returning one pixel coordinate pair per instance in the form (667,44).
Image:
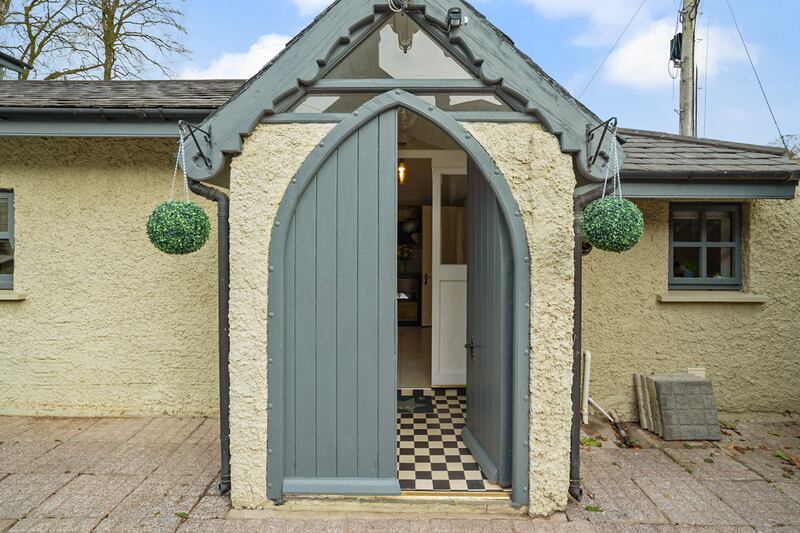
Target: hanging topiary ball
(613,224)
(178,227)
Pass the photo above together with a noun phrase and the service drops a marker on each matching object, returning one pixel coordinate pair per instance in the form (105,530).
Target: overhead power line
(758,78)
(614,47)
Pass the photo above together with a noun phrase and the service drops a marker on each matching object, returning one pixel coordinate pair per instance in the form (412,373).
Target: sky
(569,39)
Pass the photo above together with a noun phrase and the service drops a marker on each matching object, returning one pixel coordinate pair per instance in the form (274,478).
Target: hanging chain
(398,8)
(613,164)
(181,158)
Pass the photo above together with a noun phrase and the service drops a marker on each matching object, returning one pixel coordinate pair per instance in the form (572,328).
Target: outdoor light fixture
(401,171)
(404,28)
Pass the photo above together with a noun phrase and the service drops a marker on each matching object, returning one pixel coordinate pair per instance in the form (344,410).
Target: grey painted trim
(483,48)
(488,467)
(95,122)
(521,288)
(417,86)
(719,190)
(461,116)
(58,128)
(7,280)
(705,283)
(304,118)
(342,486)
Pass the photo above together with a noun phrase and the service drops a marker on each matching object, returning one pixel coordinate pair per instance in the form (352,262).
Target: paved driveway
(160,474)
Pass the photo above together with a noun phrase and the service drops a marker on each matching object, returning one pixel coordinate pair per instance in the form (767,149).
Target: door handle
(426,279)
(470,347)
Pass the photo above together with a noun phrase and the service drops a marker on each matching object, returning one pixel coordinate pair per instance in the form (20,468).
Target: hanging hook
(183,125)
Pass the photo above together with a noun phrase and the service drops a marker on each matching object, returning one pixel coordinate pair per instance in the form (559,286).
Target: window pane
(347,103)
(6,257)
(686,262)
(399,50)
(4,214)
(686,225)
(454,219)
(720,262)
(719,226)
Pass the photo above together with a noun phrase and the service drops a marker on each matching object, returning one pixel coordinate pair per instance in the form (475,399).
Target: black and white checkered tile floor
(430,453)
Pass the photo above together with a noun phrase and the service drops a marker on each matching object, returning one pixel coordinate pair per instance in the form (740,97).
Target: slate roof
(172,94)
(656,155)
(650,155)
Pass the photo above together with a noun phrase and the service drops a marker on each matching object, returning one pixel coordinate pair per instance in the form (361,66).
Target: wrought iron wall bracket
(192,128)
(590,134)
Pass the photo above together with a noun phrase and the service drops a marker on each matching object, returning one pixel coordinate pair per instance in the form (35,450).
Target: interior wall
(110,325)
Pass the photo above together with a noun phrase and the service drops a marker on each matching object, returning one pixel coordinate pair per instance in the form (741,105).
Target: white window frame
(7,280)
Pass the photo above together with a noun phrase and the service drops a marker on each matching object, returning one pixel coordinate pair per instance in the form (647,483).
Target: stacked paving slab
(677,406)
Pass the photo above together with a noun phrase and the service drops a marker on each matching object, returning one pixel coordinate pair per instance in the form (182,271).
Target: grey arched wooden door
(490,279)
(339,333)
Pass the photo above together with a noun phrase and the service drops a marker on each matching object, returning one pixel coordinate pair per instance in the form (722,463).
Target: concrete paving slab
(70,457)
(6,523)
(11,426)
(21,493)
(790,489)
(207,431)
(113,429)
(472,526)
(537,526)
(711,463)
(771,435)
(48,525)
(212,505)
(609,500)
(132,459)
(688,502)
(15,456)
(88,496)
(647,463)
(55,429)
(600,463)
(192,458)
(166,430)
(225,526)
(758,502)
(764,463)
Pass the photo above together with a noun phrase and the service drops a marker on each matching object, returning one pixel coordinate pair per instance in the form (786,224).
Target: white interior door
(449,320)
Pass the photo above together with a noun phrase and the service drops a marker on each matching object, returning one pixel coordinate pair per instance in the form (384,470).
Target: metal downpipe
(582,197)
(575,489)
(223,292)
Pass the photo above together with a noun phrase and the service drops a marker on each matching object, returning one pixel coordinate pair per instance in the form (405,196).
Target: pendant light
(401,171)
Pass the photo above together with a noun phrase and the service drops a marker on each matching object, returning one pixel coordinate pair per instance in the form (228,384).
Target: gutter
(223,292)
(581,198)
(102,113)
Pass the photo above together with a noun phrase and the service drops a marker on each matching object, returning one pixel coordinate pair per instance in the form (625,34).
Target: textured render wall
(110,326)
(259,176)
(542,180)
(749,350)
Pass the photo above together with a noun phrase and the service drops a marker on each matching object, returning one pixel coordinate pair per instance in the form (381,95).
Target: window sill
(720,297)
(11,296)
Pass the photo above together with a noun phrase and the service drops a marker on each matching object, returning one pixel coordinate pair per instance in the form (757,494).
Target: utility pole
(688,110)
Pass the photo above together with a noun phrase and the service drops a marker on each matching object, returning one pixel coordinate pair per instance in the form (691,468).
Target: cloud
(311,7)
(641,60)
(239,65)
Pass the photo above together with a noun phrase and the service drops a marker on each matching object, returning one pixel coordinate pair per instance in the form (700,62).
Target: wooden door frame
(442,162)
(522,281)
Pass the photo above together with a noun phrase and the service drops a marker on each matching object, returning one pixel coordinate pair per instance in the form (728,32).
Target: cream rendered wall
(542,180)
(110,325)
(749,350)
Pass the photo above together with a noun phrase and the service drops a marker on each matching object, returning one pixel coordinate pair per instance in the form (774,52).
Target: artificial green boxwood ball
(613,224)
(178,227)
